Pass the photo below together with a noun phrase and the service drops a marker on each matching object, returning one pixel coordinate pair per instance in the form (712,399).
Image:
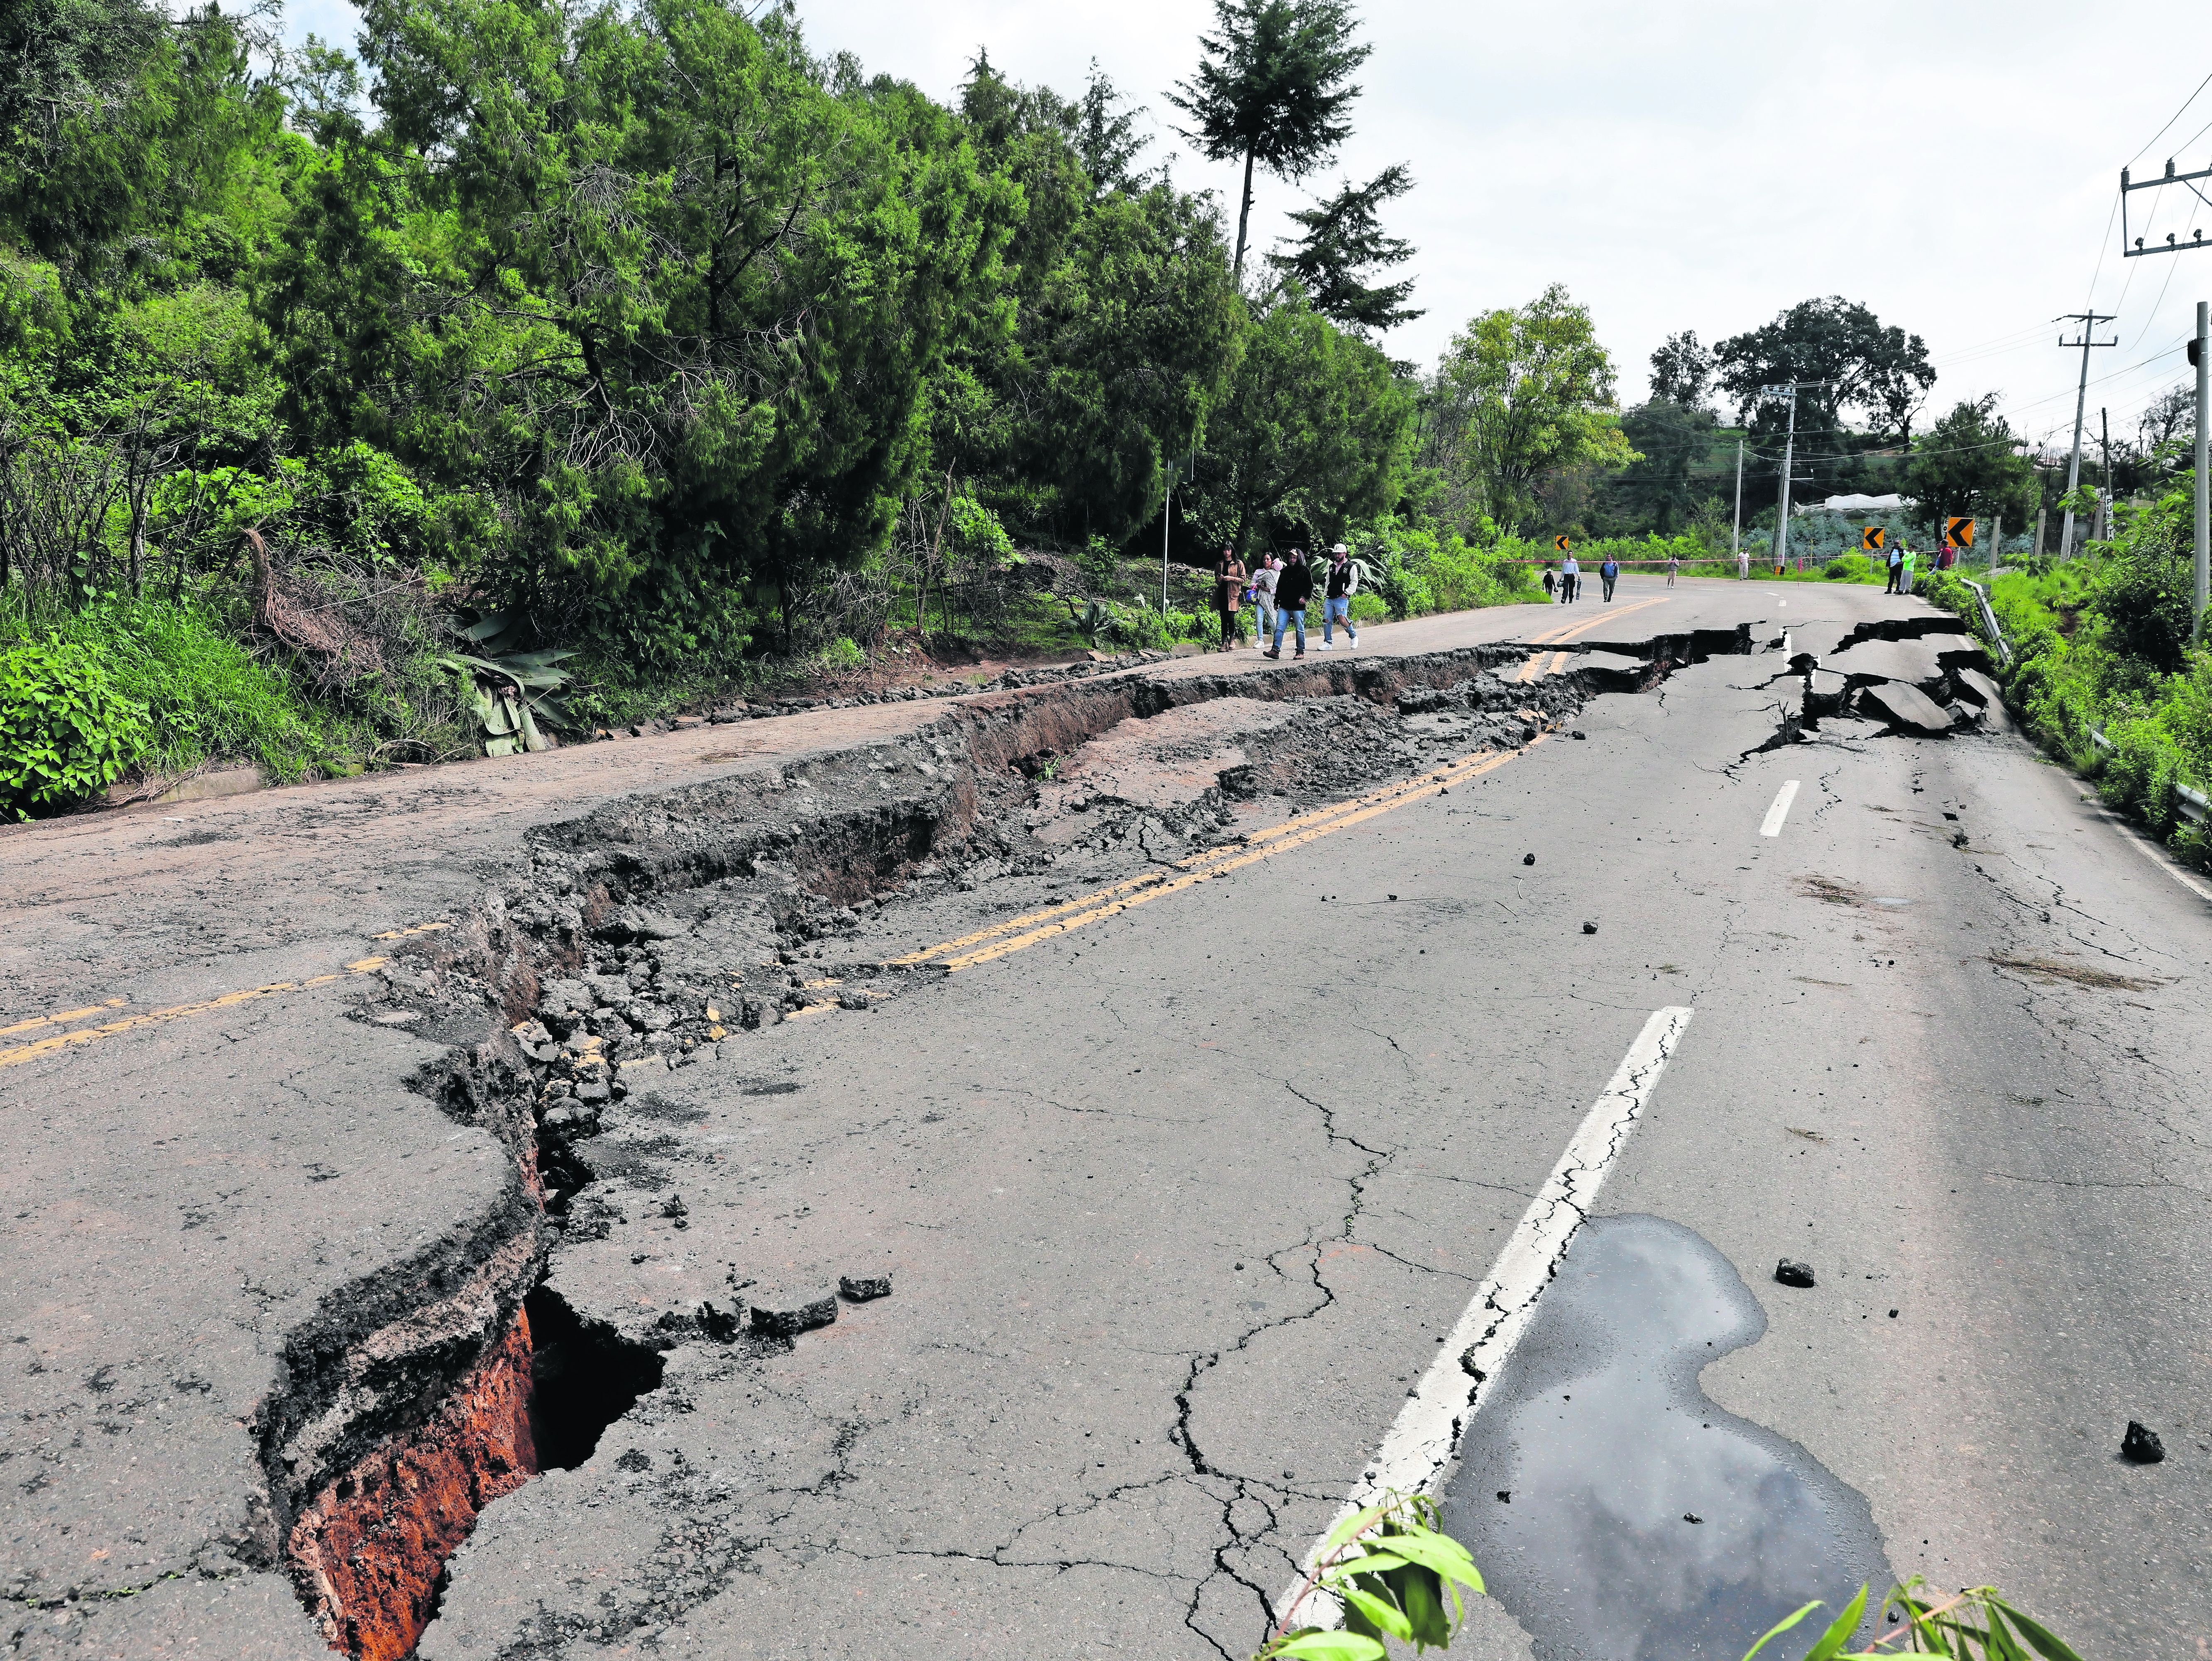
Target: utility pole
(2203,471)
(1735,536)
(2200,352)
(1788,453)
(2088,320)
(2104,530)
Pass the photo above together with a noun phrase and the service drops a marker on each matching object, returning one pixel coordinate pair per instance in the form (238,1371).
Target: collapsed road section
(651,934)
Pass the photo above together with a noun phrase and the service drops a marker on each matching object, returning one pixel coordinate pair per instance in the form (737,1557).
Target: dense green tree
(1345,243)
(1681,370)
(1315,431)
(665,295)
(1845,355)
(1525,391)
(1125,323)
(1272,90)
(1657,491)
(1969,463)
(1844,359)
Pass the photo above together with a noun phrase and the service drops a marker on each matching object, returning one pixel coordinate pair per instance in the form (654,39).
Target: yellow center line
(60,1041)
(1054,930)
(63,1019)
(1199,861)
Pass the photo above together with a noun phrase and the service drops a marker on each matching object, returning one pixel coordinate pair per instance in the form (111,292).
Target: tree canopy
(1344,242)
(1273,89)
(1530,391)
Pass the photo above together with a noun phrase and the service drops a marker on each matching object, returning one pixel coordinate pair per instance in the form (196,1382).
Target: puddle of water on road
(1598,1429)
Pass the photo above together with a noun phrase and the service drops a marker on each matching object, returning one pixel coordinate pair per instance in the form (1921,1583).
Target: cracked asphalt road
(1180,1205)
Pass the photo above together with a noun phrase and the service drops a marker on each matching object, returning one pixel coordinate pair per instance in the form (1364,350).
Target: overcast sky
(1705,163)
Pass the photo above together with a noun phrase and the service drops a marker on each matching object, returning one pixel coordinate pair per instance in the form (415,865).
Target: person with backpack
(1608,573)
(1263,600)
(1343,584)
(1293,588)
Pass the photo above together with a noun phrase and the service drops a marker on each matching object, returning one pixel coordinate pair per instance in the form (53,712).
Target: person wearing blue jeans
(1343,584)
(1293,588)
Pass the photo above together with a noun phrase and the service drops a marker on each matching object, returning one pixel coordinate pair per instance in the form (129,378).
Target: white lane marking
(1771,825)
(1425,1437)
(2155,853)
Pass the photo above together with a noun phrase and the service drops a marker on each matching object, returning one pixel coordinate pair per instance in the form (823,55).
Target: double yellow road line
(1536,668)
(78,1036)
(1035,928)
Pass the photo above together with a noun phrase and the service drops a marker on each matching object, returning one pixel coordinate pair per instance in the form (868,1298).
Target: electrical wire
(2176,116)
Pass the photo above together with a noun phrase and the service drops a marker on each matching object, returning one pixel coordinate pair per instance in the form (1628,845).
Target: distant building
(1888,504)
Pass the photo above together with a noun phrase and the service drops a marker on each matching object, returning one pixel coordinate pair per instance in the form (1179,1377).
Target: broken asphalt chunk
(1791,1272)
(786,1314)
(860,1288)
(1906,708)
(2141,1444)
(1589,929)
(1527,859)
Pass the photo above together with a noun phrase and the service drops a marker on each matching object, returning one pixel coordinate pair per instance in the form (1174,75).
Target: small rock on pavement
(1527,859)
(1589,929)
(2141,1444)
(861,1287)
(784,1314)
(1792,1273)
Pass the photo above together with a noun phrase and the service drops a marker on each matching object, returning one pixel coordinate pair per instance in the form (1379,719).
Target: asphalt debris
(1791,1272)
(860,1288)
(786,1314)
(2141,1444)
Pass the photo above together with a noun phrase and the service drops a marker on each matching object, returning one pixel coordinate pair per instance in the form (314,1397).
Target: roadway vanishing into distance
(1205,1076)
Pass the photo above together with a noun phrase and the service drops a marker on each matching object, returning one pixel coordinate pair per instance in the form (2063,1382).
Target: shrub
(204,695)
(1848,567)
(66,732)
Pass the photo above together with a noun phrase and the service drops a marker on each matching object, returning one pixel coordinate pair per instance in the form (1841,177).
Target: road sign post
(1561,543)
(1872,539)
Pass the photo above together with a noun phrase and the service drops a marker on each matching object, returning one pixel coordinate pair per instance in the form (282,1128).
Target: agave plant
(508,693)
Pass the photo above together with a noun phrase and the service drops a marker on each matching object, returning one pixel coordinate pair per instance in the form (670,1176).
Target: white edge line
(1422,1444)
(1773,825)
(2155,854)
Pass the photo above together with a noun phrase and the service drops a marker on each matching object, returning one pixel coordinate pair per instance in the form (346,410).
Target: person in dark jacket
(1293,588)
(1609,573)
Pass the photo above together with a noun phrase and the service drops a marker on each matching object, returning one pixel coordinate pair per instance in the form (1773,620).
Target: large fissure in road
(651,933)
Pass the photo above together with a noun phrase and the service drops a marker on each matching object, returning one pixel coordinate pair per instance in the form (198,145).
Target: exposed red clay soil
(374,1542)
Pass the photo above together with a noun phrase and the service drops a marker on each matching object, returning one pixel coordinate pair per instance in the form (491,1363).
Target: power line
(2170,120)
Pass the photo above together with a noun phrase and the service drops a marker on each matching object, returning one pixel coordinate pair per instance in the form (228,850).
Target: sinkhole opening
(584,1376)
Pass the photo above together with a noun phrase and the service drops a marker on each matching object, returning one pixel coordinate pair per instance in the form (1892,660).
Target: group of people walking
(1279,590)
(1566,582)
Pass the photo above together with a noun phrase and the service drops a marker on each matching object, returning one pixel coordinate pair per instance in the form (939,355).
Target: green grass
(206,697)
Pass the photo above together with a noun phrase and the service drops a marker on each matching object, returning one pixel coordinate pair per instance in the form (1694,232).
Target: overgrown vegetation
(2101,649)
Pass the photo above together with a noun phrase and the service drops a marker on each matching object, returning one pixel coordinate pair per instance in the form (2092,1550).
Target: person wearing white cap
(1343,584)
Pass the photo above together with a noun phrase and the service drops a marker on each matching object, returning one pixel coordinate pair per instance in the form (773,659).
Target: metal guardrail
(1990,619)
(2195,804)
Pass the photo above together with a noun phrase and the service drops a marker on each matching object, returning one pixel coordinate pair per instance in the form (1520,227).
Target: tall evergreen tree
(1272,90)
(1344,241)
